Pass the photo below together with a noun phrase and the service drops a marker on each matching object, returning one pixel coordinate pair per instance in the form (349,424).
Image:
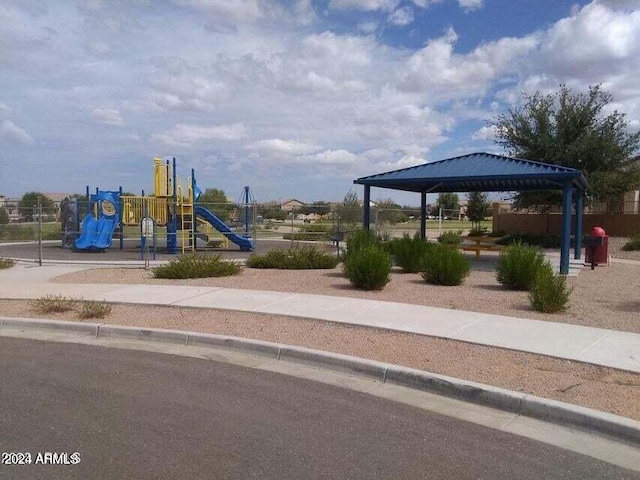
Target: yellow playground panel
(157,206)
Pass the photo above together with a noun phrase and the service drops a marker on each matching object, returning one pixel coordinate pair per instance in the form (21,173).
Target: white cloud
(486,133)
(401,17)
(11,133)
(289,147)
(367,27)
(4,107)
(108,116)
(235,10)
(365,5)
(186,135)
(470,5)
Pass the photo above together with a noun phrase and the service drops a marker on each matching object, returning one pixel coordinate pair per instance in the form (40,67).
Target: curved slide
(96,233)
(209,217)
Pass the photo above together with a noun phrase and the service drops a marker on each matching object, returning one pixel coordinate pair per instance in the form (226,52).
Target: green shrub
(450,237)
(368,267)
(53,304)
(296,258)
(445,266)
(518,265)
(632,244)
(479,232)
(306,236)
(359,239)
(543,241)
(409,252)
(94,309)
(197,266)
(316,228)
(6,263)
(549,292)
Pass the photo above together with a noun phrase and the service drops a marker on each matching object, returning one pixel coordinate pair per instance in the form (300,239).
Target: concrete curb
(514,402)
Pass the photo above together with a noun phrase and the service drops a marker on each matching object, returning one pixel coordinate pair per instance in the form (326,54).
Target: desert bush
(6,263)
(479,232)
(450,237)
(409,252)
(197,266)
(53,304)
(295,258)
(549,292)
(445,266)
(632,244)
(518,265)
(543,241)
(358,239)
(94,309)
(368,267)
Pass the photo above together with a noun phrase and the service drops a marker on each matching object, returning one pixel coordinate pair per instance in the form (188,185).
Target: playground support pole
(39,231)
(193,210)
(120,219)
(246,211)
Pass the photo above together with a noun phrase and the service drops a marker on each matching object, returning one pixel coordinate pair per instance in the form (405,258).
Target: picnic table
(480,244)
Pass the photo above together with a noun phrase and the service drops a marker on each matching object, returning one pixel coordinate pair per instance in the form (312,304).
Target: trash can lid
(598,232)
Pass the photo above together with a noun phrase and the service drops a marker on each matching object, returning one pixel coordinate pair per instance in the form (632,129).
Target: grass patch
(53,304)
(445,266)
(307,236)
(94,309)
(197,266)
(518,266)
(295,258)
(633,244)
(6,263)
(549,292)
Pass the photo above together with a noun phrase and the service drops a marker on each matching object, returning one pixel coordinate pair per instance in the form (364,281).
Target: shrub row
(6,263)
(295,258)
(633,243)
(61,304)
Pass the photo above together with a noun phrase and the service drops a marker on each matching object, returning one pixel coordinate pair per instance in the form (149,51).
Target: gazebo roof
(478,172)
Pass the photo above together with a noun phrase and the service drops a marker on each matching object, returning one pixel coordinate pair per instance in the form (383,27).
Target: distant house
(2,200)
(291,204)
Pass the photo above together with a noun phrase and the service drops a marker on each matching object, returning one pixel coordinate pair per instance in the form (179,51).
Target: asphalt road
(137,415)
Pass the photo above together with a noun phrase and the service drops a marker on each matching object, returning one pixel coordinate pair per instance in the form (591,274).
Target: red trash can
(597,246)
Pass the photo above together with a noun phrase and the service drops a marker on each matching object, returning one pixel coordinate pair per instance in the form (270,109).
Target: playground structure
(171,206)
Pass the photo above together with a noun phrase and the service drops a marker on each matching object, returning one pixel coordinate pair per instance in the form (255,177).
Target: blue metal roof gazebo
(485,172)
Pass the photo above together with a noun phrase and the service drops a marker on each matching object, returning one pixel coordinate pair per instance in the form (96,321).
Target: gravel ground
(573,382)
(615,249)
(607,297)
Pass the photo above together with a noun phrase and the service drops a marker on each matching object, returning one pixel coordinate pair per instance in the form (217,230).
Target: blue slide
(208,216)
(96,233)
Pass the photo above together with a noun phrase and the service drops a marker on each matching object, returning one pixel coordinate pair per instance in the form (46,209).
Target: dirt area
(607,297)
(615,249)
(573,382)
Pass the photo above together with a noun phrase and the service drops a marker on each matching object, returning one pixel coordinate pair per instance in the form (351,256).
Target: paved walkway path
(593,345)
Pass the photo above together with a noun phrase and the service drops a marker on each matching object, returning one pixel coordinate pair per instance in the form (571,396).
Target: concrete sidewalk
(573,342)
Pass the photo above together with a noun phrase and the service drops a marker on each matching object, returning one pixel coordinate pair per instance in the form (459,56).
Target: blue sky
(294,98)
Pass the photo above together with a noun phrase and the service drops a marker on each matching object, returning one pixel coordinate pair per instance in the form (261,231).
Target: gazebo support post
(577,249)
(565,232)
(423,215)
(366,203)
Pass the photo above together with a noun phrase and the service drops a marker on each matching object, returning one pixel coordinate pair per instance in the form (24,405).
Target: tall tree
(389,211)
(28,202)
(4,216)
(572,130)
(216,200)
(477,208)
(350,212)
(449,203)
